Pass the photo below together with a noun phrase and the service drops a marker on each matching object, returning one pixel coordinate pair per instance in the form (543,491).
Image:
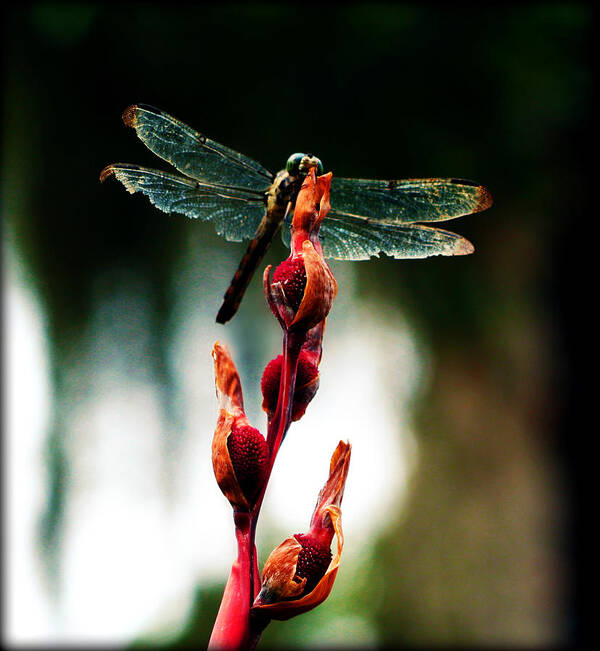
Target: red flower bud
(299,574)
(303,287)
(307,383)
(240,454)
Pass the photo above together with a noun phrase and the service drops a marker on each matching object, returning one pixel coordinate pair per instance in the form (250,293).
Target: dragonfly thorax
(284,189)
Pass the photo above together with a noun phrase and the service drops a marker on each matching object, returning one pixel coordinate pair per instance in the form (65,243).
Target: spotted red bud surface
(249,456)
(307,383)
(291,274)
(313,560)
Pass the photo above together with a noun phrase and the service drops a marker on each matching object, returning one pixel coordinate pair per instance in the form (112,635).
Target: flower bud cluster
(299,574)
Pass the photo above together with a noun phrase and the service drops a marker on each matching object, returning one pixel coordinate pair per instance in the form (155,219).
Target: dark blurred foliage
(500,94)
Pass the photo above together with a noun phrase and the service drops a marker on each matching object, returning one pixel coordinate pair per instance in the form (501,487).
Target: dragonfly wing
(235,212)
(192,153)
(409,200)
(346,237)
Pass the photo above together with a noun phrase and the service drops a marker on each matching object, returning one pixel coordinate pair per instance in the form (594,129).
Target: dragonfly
(245,200)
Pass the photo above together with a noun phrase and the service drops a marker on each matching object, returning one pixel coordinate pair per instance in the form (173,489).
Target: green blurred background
(483,550)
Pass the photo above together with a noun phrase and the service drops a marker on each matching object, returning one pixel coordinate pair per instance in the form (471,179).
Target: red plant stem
(258,623)
(277,429)
(234,629)
(292,344)
(232,625)
(279,424)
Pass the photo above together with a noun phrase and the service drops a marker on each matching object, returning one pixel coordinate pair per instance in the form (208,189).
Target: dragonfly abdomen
(254,254)
(280,196)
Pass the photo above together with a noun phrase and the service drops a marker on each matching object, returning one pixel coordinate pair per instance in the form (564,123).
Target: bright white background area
(144,520)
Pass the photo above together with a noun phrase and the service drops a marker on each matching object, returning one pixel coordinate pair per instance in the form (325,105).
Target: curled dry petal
(324,193)
(227,381)
(333,492)
(312,206)
(313,346)
(279,580)
(320,290)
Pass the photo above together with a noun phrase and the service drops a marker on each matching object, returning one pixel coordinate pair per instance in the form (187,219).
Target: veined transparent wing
(348,237)
(235,212)
(369,217)
(409,200)
(345,237)
(192,153)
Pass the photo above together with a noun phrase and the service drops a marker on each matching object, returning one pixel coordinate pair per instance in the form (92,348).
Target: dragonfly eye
(293,164)
(300,164)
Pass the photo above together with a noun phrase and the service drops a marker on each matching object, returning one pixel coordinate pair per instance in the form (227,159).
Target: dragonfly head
(301,164)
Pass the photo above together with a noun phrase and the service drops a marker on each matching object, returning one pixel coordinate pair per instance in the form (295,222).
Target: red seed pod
(269,384)
(249,457)
(307,383)
(240,453)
